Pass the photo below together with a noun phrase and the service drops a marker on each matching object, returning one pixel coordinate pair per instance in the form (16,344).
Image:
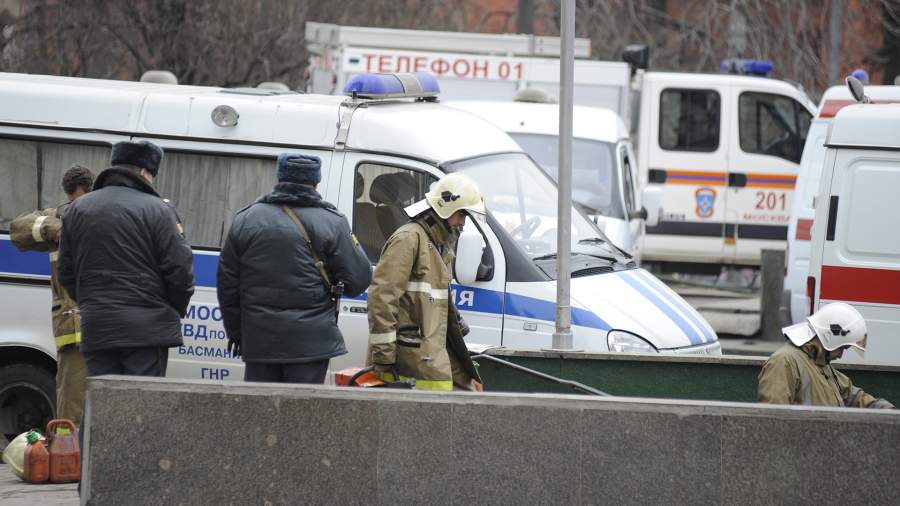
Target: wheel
(27,398)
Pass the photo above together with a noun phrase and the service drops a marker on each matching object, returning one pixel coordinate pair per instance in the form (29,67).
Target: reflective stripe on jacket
(40,231)
(408,303)
(792,376)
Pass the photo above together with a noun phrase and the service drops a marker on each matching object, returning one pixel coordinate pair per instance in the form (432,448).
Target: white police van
(798,291)
(381,148)
(604,172)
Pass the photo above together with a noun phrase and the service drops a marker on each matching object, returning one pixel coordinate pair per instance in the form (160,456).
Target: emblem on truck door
(706,200)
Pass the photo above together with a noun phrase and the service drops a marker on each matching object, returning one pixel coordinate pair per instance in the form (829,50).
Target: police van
(802,209)
(381,147)
(604,171)
(855,247)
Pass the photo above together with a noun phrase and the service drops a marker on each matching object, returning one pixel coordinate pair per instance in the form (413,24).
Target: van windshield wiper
(549,256)
(593,240)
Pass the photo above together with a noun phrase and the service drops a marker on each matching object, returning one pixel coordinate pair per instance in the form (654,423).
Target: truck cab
(725,150)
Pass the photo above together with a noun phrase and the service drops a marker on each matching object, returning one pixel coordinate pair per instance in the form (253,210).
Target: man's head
(142,155)
(835,327)
(77,181)
(298,169)
(453,198)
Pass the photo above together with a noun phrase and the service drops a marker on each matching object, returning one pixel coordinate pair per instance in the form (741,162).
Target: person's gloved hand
(463,326)
(234,347)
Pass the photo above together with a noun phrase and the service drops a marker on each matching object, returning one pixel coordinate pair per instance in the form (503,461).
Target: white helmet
(453,192)
(837,324)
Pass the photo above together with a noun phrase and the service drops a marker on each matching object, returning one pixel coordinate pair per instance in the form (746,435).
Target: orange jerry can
(65,456)
(37,459)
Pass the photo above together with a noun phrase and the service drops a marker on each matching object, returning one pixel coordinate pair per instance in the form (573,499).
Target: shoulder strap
(319,264)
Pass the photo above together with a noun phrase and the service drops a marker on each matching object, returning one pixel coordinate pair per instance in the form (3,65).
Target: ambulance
(723,148)
(855,247)
(604,170)
(381,147)
(802,209)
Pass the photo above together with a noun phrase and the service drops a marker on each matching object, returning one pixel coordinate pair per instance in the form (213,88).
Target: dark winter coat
(124,259)
(272,297)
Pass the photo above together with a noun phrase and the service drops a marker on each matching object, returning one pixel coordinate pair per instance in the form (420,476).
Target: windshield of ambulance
(594,181)
(522,198)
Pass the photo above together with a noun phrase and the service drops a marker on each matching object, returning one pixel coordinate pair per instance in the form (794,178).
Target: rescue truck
(723,148)
(381,147)
(802,209)
(855,247)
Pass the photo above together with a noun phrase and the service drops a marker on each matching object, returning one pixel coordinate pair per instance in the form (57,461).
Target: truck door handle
(657,176)
(736,179)
(832,218)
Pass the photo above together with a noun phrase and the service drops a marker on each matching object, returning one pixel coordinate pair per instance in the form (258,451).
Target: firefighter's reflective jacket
(409,306)
(795,375)
(40,231)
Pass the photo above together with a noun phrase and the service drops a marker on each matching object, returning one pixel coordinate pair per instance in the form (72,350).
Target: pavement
(15,492)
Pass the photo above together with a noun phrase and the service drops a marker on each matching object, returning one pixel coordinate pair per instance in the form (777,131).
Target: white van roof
(837,97)
(593,123)
(866,126)
(426,131)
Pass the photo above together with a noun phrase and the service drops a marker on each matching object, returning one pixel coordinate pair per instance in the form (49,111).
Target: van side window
(689,120)
(380,194)
(32,171)
(772,125)
(208,189)
(627,182)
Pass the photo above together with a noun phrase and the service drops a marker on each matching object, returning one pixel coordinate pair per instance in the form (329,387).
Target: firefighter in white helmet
(414,328)
(800,372)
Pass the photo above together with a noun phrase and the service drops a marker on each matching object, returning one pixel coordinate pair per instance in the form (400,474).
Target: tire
(27,398)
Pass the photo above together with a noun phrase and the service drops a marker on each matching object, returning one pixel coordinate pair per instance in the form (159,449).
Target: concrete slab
(15,492)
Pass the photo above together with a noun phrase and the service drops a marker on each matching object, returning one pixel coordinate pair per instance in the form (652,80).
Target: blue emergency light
(746,67)
(419,85)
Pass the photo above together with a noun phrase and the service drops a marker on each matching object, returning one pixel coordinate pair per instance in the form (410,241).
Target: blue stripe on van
(29,263)
(678,302)
(205,266)
(662,306)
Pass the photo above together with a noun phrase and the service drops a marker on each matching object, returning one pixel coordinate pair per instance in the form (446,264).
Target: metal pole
(562,337)
(525,16)
(834,55)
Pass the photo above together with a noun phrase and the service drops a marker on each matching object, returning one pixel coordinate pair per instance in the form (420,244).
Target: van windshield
(523,200)
(594,182)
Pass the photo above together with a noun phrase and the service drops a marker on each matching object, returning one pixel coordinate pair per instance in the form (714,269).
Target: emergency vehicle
(604,171)
(855,247)
(381,147)
(802,209)
(723,148)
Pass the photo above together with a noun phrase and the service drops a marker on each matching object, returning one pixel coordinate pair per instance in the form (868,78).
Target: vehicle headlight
(625,342)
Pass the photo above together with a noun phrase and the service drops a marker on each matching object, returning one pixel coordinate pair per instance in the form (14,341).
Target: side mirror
(857,90)
(651,198)
(637,55)
(469,249)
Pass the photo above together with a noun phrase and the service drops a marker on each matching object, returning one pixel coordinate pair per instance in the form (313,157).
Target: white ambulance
(604,170)
(855,247)
(802,209)
(378,155)
(723,148)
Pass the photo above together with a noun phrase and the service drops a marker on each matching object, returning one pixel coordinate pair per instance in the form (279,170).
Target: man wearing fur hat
(286,262)
(124,259)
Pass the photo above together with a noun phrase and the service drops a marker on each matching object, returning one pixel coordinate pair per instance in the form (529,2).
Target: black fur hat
(298,168)
(142,154)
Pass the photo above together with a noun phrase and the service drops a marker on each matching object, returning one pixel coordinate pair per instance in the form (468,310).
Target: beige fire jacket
(40,231)
(792,376)
(409,305)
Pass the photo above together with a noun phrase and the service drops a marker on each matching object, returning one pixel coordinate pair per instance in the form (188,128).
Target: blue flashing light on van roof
(418,85)
(746,67)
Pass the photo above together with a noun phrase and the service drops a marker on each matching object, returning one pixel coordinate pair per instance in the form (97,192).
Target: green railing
(726,378)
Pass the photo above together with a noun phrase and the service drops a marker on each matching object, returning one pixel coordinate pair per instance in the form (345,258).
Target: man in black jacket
(124,259)
(278,305)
